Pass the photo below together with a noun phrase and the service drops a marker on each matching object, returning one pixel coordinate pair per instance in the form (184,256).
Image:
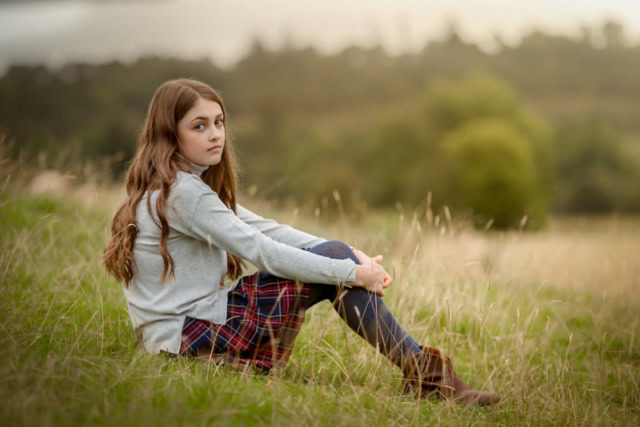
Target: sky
(55,32)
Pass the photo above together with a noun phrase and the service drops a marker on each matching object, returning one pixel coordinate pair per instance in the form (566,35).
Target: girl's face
(201,133)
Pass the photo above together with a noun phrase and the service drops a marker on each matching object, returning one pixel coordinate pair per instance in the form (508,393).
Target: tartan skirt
(264,315)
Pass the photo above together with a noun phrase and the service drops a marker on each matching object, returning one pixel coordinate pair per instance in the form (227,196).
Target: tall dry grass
(547,319)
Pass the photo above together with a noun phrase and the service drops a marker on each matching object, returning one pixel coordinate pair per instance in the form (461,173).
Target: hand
(370,274)
(362,256)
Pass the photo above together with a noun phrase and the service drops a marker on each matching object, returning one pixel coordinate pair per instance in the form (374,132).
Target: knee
(335,249)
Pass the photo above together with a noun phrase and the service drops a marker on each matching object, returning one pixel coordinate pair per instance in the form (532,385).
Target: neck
(198,169)
(195,168)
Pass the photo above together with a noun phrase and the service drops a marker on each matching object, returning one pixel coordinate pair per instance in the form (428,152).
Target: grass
(549,320)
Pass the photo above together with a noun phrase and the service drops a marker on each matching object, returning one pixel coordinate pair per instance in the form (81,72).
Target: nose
(215,134)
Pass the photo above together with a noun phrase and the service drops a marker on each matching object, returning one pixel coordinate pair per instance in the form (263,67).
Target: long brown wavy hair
(155,166)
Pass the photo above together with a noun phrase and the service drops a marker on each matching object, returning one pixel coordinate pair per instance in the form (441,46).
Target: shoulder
(187,189)
(189,181)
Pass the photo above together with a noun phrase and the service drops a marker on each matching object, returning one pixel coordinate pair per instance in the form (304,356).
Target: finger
(378,259)
(387,281)
(360,255)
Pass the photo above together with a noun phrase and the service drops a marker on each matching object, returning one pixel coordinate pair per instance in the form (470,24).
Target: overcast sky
(55,32)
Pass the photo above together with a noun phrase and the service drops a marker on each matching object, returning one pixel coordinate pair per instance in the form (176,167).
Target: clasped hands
(370,275)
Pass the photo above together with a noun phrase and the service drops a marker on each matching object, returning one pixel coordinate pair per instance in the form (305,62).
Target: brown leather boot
(431,373)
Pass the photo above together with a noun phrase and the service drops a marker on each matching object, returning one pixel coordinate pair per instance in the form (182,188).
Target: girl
(180,231)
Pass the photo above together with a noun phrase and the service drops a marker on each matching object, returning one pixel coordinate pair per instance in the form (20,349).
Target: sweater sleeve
(279,232)
(213,222)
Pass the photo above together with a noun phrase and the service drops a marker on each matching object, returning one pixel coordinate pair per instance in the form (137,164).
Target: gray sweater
(202,230)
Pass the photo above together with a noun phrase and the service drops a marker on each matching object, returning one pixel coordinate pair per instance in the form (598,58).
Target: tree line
(546,125)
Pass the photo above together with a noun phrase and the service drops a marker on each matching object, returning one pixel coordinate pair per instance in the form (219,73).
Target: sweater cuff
(351,276)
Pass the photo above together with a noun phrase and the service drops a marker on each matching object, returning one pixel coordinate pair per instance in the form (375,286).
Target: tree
(492,172)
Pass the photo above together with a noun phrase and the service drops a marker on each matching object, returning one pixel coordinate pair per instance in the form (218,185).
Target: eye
(199,124)
(219,122)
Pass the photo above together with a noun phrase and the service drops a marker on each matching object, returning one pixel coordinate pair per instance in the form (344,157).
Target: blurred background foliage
(547,125)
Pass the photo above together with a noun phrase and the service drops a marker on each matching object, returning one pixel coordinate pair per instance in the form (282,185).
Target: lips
(217,147)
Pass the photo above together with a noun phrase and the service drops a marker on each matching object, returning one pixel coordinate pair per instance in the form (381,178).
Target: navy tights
(364,312)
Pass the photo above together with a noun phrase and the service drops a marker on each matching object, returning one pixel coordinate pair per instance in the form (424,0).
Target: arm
(212,221)
(279,232)
(371,277)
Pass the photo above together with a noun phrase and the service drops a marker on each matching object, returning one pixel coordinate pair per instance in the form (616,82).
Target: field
(549,320)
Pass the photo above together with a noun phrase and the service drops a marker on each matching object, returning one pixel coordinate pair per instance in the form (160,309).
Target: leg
(425,369)
(364,312)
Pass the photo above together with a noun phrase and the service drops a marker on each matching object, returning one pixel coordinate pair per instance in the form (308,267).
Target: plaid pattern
(264,315)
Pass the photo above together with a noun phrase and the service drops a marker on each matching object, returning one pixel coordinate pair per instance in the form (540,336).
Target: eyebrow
(205,117)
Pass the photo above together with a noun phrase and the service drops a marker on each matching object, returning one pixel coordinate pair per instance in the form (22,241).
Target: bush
(491,170)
